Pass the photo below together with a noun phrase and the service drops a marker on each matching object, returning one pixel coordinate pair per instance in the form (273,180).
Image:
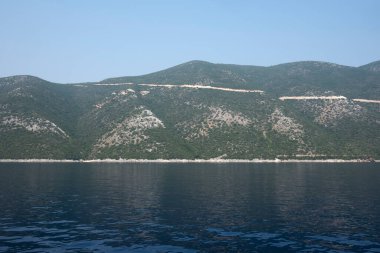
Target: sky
(78,41)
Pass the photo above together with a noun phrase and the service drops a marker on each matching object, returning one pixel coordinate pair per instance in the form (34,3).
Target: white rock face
(144,92)
(217,117)
(329,109)
(329,112)
(124,92)
(131,130)
(337,110)
(286,126)
(37,125)
(117,97)
(220,115)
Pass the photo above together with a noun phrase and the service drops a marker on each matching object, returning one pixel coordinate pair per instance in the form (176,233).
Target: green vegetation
(39,119)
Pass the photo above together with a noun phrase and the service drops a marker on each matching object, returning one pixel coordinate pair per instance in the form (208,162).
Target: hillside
(197,110)
(284,79)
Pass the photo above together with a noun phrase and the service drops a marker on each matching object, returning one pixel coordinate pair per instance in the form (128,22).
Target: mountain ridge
(123,118)
(365,67)
(192,62)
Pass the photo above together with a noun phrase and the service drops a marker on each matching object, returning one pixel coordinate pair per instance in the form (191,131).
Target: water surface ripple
(189,207)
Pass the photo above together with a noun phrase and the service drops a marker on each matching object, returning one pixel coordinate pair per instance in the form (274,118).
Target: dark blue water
(189,208)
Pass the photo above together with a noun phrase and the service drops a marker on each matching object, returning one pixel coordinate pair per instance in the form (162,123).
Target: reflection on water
(189,207)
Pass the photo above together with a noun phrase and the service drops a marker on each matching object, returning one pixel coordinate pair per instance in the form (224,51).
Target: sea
(189,207)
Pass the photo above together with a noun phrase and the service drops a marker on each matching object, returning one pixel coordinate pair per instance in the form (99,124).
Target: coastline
(188,161)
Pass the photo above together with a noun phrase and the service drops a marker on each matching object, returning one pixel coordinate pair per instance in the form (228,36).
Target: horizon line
(187,62)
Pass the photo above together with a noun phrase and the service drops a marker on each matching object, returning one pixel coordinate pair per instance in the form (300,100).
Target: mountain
(284,79)
(199,111)
(195,72)
(373,67)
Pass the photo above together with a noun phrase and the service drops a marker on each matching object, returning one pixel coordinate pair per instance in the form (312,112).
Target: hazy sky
(74,41)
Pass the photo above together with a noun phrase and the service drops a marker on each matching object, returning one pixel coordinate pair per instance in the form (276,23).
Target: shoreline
(189,161)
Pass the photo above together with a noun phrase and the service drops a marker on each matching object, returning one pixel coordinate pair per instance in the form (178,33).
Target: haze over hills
(207,112)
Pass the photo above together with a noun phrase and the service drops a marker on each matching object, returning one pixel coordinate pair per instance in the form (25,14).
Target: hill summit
(302,110)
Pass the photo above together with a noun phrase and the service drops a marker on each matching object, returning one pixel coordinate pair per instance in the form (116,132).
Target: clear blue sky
(74,41)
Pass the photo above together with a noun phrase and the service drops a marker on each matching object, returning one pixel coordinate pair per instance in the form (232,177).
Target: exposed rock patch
(217,117)
(117,96)
(144,92)
(329,112)
(36,125)
(132,130)
(286,126)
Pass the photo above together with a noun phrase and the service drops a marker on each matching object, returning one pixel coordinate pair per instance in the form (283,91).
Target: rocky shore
(189,161)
